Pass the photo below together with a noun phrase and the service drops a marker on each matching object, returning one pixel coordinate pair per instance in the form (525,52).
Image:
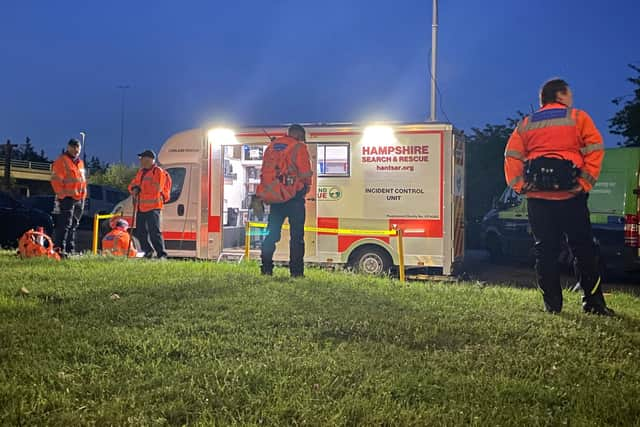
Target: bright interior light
(222,136)
(377,135)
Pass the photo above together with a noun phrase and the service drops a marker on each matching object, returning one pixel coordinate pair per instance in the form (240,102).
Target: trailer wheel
(371,260)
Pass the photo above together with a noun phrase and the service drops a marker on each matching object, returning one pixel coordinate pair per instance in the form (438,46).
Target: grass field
(200,343)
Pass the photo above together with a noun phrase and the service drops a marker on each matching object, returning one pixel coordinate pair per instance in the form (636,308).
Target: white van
(379,177)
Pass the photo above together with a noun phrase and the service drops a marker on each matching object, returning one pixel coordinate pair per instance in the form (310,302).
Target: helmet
(121,223)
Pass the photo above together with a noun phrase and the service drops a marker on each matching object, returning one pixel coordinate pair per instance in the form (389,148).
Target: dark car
(43,203)
(15,219)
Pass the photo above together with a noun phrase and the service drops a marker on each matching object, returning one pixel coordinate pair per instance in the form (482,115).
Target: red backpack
(279,175)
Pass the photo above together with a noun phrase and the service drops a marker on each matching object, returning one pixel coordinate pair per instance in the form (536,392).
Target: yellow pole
(94,244)
(247,240)
(401,254)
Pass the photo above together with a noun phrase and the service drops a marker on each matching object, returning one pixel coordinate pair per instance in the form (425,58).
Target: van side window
(177,181)
(95,192)
(334,159)
(115,196)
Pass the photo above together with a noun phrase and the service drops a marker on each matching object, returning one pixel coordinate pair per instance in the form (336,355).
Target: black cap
(147,153)
(74,142)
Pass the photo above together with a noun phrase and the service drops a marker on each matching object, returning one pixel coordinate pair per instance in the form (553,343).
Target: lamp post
(123,89)
(434,59)
(83,137)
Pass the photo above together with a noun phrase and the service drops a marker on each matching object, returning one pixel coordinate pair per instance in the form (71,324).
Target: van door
(179,215)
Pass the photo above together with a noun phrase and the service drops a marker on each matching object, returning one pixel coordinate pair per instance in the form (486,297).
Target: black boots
(595,304)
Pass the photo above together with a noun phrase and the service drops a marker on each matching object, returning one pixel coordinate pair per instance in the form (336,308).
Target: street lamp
(83,136)
(123,88)
(434,59)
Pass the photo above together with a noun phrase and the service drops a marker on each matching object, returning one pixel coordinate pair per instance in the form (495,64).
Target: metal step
(231,257)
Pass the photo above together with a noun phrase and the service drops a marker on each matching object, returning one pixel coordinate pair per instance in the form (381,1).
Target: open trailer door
(235,162)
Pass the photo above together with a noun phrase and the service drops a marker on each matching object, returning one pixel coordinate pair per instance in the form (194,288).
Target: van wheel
(371,260)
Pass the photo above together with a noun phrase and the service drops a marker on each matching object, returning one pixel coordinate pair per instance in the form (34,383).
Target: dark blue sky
(272,61)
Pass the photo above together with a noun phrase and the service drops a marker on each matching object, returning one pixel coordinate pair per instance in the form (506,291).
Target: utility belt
(551,174)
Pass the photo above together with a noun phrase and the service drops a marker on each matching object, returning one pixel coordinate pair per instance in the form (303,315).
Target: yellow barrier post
(401,254)
(96,221)
(94,243)
(247,240)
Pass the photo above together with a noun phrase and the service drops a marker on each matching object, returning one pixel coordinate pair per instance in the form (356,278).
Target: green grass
(201,343)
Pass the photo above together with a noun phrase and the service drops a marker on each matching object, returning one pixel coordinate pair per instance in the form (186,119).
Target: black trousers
(295,211)
(553,221)
(64,236)
(148,233)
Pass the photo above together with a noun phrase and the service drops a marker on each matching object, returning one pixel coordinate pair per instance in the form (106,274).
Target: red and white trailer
(378,177)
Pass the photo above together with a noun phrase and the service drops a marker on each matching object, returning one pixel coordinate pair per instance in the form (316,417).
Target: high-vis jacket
(117,242)
(559,132)
(155,188)
(68,178)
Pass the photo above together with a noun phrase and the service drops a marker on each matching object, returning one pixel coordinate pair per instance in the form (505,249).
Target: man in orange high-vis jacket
(294,209)
(118,241)
(151,189)
(70,186)
(554,158)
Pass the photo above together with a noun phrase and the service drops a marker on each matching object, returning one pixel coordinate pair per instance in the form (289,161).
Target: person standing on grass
(554,158)
(150,189)
(284,182)
(68,180)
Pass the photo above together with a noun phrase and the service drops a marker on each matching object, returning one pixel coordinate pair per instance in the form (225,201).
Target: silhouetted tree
(484,172)
(626,122)
(27,152)
(96,166)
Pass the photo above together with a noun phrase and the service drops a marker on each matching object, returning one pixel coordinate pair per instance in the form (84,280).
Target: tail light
(631,231)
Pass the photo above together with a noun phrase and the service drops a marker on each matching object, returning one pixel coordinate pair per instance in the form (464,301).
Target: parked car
(101,199)
(614,205)
(16,218)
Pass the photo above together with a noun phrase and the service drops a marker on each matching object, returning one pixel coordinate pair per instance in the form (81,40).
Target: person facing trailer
(68,180)
(554,158)
(284,181)
(150,189)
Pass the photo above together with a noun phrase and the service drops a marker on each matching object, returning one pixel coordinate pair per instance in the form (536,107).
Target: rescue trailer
(366,179)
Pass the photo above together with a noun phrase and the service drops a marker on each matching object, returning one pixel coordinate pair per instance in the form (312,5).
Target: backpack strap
(293,168)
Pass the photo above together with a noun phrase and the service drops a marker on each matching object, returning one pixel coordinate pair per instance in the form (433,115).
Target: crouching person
(118,241)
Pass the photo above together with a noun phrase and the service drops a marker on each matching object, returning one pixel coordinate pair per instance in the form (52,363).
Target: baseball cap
(147,153)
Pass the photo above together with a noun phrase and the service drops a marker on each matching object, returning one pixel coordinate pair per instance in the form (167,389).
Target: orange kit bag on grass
(34,244)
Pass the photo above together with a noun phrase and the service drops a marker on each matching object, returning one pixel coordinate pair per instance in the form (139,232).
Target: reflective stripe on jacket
(560,132)
(68,178)
(155,188)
